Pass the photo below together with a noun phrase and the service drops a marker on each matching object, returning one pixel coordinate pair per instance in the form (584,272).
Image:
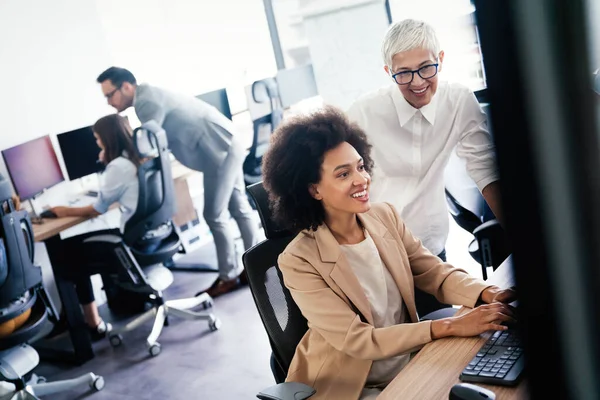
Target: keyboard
(499,361)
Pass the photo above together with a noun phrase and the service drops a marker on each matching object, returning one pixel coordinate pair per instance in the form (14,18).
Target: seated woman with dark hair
(353,267)
(119,184)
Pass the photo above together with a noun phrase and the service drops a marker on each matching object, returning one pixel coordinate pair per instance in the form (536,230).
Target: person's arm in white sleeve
(477,148)
(111,190)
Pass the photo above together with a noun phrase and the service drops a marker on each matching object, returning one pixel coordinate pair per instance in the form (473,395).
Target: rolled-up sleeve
(475,144)
(112,187)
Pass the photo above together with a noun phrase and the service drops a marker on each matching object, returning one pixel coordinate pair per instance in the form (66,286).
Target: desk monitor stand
(35,218)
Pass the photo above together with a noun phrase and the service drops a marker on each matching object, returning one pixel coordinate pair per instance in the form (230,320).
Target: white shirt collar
(406,111)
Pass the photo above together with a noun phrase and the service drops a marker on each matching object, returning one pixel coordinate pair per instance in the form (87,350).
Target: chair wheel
(214,324)
(115,340)
(207,304)
(154,349)
(97,384)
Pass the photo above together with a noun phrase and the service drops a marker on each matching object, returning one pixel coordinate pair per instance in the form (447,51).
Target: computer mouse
(48,214)
(467,391)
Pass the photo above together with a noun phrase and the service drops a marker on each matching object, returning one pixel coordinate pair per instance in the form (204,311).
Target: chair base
(190,267)
(24,356)
(181,308)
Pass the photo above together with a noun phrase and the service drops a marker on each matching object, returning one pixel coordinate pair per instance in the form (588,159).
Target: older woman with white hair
(415,124)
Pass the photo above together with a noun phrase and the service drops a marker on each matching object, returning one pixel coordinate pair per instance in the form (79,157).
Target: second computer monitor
(80,152)
(33,167)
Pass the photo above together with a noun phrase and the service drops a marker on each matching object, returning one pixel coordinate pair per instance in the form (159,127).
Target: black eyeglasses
(425,72)
(112,93)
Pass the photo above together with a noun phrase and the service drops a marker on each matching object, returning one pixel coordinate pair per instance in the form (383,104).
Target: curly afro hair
(293,162)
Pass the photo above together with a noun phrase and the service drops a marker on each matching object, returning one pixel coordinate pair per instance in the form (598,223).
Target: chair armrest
(287,391)
(446,312)
(486,225)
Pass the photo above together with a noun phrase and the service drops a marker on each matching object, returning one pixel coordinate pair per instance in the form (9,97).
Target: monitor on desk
(217,98)
(80,152)
(33,167)
(296,84)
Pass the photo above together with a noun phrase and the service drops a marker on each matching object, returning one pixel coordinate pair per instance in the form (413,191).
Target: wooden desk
(435,369)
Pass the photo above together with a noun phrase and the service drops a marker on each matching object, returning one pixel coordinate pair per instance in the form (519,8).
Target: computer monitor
(296,84)
(33,167)
(80,152)
(217,98)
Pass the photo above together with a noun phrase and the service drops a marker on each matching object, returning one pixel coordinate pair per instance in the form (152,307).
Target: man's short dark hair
(294,159)
(117,76)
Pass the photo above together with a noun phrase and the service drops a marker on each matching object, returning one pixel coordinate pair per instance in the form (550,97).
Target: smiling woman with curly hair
(353,267)
(294,162)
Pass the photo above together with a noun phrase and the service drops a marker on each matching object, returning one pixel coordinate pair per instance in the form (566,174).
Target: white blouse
(411,149)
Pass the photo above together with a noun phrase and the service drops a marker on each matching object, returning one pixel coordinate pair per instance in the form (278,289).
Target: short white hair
(407,35)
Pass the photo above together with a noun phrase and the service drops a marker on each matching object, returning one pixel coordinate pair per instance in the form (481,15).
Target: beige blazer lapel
(396,264)
(341,272)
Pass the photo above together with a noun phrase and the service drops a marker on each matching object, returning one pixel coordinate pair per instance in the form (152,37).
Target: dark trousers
(426,302)
(78,261)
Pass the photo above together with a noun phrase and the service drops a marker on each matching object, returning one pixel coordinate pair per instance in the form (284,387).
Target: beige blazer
(336,353)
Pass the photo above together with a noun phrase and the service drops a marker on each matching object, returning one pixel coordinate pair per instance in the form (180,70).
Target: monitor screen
(33,167)
(296,84)
(80,152)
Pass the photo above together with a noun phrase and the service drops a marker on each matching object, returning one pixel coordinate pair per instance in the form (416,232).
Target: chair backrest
(263,91)
(156,199)
(465,218)
(18,274)
(283,321)
(21,288)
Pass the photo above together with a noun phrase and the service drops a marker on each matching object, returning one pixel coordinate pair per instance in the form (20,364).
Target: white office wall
(50,52)
(189,46)
(344,40)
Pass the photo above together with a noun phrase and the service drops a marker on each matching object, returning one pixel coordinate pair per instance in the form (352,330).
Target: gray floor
(232,363)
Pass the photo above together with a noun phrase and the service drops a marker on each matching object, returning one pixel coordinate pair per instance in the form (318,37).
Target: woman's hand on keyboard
(495,294)
(474,322)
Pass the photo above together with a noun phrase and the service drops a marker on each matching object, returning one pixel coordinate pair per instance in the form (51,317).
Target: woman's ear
(314,192)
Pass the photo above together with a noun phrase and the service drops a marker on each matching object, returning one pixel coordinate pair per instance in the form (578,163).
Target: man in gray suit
(202,139)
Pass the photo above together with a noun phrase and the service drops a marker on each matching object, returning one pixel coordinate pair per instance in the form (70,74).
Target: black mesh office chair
(149,239)
(263,91)
(490,245)
(283,321)
(22,296)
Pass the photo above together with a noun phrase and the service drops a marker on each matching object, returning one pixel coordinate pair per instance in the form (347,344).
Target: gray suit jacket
(199,136)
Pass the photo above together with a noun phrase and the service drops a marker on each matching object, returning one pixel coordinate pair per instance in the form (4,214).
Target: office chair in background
(263,91)
(281,317)
(23,295)
(490,245)
(150,239)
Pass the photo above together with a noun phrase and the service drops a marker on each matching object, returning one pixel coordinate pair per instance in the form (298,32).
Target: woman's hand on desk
(476,321)
(60,211)
(85,211)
